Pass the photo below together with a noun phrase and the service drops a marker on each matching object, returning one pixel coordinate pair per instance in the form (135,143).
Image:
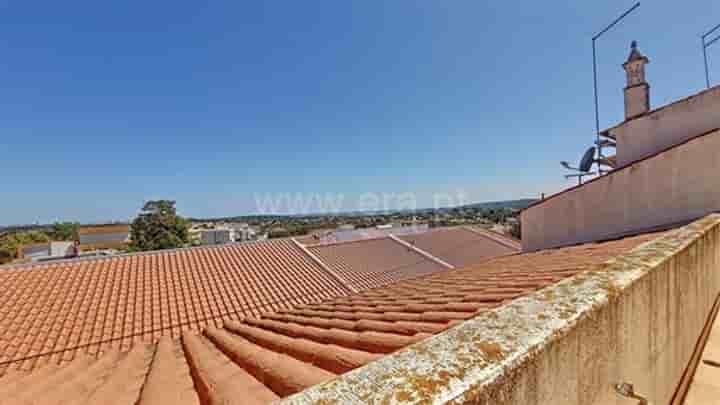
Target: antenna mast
(595,83)
(705,45)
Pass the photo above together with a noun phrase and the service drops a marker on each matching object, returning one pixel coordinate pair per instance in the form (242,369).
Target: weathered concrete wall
(634,319)
(667,126)
(676,186)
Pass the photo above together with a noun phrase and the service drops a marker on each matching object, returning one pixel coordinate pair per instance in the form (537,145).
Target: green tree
(159,227)
(65,230)
(278,232)
(9,243)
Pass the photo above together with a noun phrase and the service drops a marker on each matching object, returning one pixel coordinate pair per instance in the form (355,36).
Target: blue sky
(106,104)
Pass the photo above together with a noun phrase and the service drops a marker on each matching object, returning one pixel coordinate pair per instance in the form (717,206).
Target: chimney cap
(635,54)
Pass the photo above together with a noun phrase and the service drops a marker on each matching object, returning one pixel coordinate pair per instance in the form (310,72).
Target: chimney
(637,91)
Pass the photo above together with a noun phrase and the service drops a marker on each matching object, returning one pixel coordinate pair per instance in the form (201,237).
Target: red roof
(462,246)
(57,310)
(254,360)
(374,262)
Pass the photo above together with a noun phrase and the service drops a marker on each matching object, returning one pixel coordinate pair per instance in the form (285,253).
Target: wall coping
(474,360)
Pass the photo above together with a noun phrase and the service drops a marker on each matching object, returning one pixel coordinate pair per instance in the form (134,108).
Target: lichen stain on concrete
(403,396)
(424,387)
(492,351)
(549,295)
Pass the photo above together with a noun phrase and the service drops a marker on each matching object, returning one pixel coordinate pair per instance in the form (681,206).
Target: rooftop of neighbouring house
(52,312)
(462,246)
(57,311)
(241,356)
(374,262)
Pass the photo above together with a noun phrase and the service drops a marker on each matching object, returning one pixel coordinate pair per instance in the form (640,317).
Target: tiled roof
(53,312)
(462,246)
(374,262)
(336,236)
(255,360)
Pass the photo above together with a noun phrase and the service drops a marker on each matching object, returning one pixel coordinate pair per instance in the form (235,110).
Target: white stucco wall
(667,126)
(675,186)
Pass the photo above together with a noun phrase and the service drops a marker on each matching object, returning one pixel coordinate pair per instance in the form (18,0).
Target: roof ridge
(421,252)
(345,242)
(71,260)
(493,236)
(324,266)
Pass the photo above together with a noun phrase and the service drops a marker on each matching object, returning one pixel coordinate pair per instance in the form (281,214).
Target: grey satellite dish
(586,163)
(587,160)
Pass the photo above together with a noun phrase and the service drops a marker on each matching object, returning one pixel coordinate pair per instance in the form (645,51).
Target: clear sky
(106,104)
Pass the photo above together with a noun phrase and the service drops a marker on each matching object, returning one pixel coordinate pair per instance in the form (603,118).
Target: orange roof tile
(56,310)
(257,359)
(462,246)
(370,263)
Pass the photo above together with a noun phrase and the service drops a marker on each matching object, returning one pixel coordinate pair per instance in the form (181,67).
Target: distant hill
(512,204)
(25,228)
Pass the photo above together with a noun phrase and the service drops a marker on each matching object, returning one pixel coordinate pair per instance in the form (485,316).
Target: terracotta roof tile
(333,358)
(55,310)
(372,263)
(218,379)
(257,359)
(462,246)
(169,369)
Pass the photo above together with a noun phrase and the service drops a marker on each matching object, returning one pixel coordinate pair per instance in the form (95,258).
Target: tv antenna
(601,158)
(584,167)
(705,45)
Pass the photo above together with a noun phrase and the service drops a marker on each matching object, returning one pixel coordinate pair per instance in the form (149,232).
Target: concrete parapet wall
(678,185)
(633,319)
(667,126)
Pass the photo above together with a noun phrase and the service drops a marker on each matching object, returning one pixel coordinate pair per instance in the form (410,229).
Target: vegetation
(10,242)
(280,227)
(159,227)
(65,231)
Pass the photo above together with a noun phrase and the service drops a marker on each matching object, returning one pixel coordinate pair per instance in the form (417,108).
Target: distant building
(99,237)
(209,233)
(216,236)
(242,231)
(45,251)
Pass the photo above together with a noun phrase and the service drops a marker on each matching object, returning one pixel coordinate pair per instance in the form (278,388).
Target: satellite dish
(587,160)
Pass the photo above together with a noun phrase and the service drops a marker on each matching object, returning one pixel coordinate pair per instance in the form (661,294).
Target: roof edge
(323,266)
(497,237)
(421,252)
(11,266)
